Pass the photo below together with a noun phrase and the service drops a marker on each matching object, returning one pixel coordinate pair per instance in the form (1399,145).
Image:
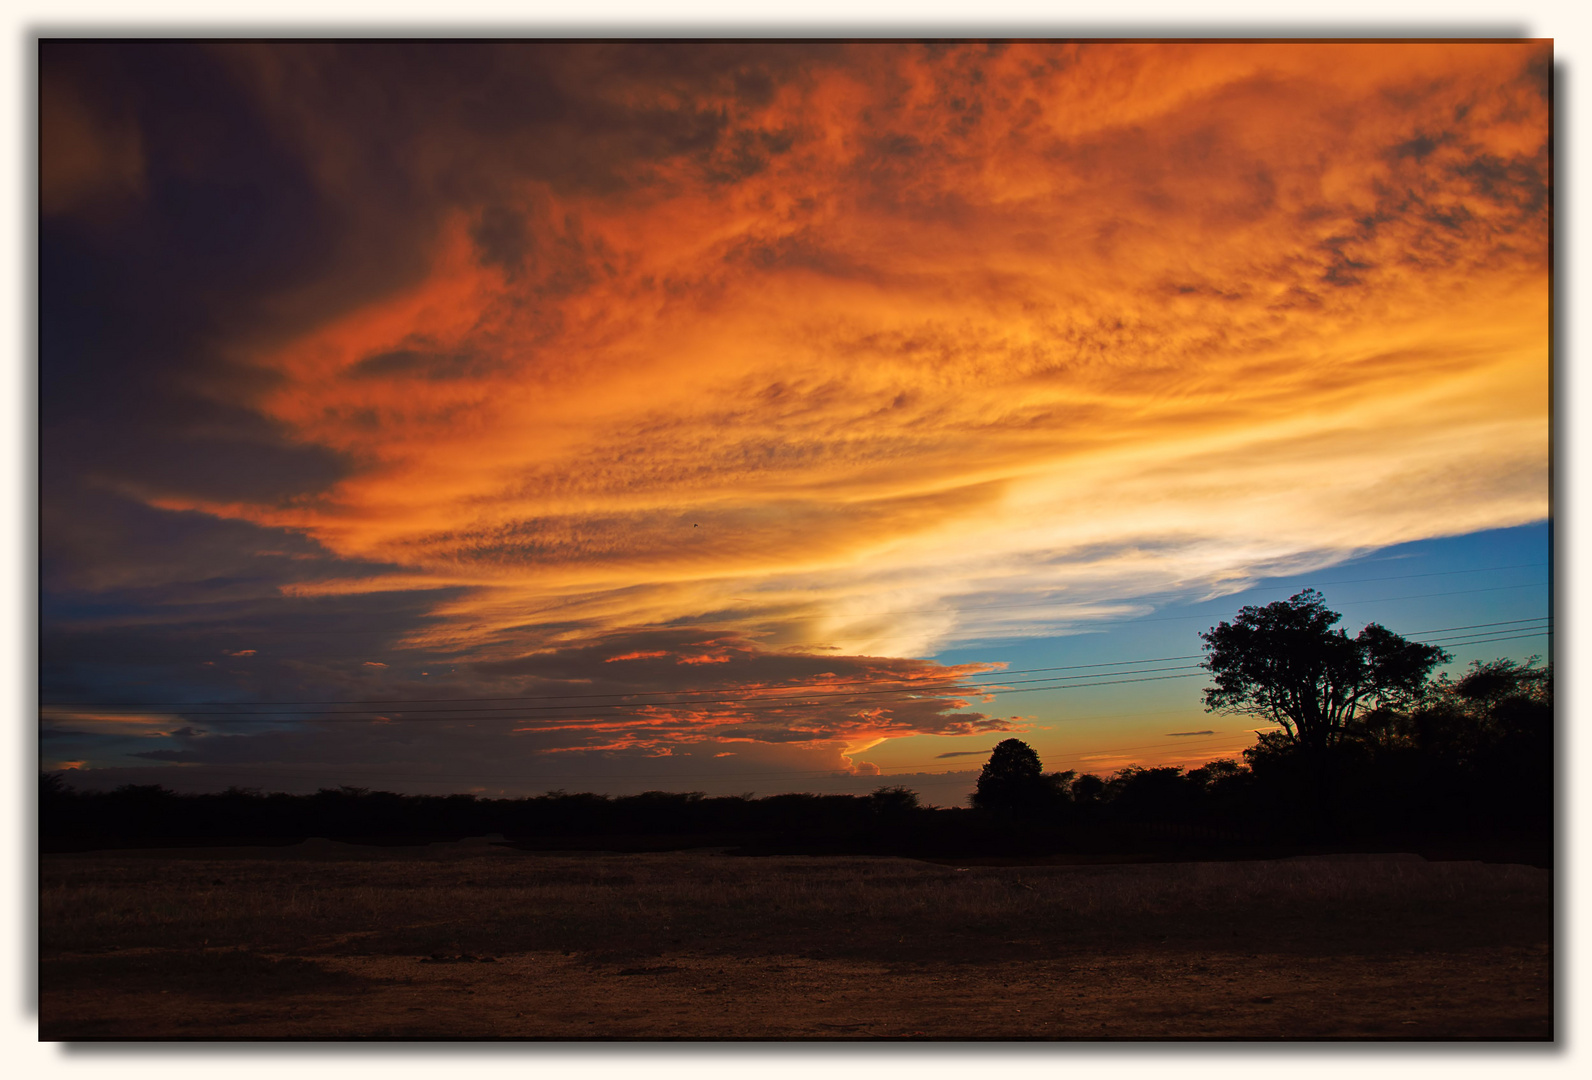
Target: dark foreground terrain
(326,940)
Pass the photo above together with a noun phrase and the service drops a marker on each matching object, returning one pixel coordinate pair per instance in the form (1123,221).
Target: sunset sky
(764,417)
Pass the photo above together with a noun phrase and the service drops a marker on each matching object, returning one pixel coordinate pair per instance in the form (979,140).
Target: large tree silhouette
(1285,663)
(1013,781)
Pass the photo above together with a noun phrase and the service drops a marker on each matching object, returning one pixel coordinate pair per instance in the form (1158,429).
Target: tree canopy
(1013,780)
(1285,663)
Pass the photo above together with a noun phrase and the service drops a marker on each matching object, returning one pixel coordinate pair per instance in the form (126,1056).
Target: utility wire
(907,683)
(1348,603)
(1174,592)
(820,688)
(785,696)
(542,712)
(792,694)
(535,712)
(809,773)
(1473,626)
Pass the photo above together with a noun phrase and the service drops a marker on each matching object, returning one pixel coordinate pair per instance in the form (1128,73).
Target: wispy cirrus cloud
(917,329)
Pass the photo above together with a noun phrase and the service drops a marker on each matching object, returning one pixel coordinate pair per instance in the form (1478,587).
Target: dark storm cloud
(621,705)
(199,198)
(135,302)
(234,638)
(145,604)
(102,542)
(422,365)
(1419,146)
(468,120)
(258,188)
(139,602)
(1520,182)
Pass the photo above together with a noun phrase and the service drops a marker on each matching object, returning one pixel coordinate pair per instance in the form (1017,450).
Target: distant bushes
(1467,756)
(135,814)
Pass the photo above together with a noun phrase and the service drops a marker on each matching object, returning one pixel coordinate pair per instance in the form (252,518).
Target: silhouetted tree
(1285,663)
(1087,789)
(1013,781)
(1162,793)
(1214,773)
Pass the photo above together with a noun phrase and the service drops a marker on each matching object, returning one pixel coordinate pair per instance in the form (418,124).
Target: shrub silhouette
(893,802)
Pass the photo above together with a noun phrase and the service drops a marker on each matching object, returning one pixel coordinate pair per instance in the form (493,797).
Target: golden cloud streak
(1080,321)
(109,723)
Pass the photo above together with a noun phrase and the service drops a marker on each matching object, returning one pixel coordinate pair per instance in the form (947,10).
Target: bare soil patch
(327,941)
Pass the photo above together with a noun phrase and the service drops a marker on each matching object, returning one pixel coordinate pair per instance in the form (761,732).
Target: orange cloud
(779,699)
(101,721)
(902,334)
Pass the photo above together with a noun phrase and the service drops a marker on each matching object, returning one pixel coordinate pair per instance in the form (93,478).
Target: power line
(1486,639)
(1493,635)
(1348,603)
(1435,573)
(772,695)
(884,770)
(1473,626)
(1142,746)
(1175,592)
(530,713)
(907,684)
(796,696)
(799,774)
(537,712)
(553,712)
(1175,618)
(1492,641)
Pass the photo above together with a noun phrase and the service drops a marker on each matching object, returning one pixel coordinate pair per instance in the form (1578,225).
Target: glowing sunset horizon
(784,416)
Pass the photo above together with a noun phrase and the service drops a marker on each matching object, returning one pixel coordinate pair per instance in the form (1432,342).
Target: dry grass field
(324,940)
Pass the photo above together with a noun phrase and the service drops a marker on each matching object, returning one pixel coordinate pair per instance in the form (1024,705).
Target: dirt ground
(328,941)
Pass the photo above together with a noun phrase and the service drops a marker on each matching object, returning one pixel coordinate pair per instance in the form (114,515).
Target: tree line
(1365,743)
(1366,746)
